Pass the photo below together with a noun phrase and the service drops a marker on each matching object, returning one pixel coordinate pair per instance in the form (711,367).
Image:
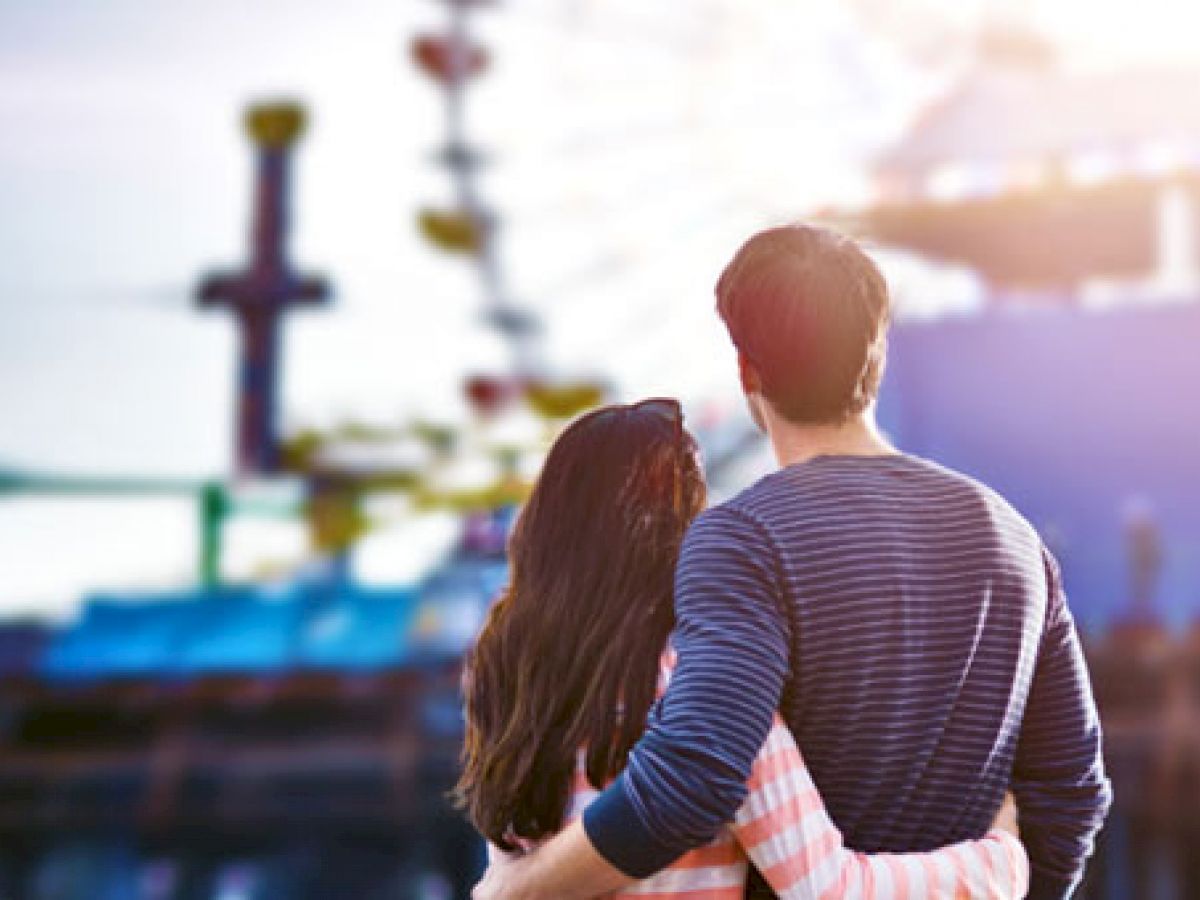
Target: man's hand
(1006,818)
(566,868)
(502,880)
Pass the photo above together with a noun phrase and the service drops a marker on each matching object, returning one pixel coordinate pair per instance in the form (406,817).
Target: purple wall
(1076,417)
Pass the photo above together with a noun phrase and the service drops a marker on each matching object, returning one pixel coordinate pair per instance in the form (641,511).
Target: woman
(573,654)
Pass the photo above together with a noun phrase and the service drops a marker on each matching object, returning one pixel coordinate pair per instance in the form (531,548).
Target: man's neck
(799,443)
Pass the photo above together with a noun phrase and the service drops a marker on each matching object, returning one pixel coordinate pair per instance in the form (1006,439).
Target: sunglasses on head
(664,408)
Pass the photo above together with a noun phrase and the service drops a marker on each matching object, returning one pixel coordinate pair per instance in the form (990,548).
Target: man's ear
(751,380)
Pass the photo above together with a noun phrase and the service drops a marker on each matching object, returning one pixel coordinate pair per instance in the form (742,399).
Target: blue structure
(242,631)
(1078,417)
(277,629)
(122,637)
(360,630)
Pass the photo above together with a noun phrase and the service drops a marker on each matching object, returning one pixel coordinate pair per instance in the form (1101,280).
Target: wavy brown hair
(568,658)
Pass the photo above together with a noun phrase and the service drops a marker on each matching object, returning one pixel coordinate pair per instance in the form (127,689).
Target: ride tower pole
(261,293)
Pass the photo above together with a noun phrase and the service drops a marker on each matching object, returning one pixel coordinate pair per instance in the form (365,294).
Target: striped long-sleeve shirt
(783,828)
(913,631)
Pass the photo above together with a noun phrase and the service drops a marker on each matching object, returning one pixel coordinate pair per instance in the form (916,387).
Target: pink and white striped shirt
(784,830)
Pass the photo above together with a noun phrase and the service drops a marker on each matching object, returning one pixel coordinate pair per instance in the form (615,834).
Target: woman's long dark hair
(568,657)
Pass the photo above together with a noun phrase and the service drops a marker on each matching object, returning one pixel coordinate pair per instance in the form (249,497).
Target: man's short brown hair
(809,310)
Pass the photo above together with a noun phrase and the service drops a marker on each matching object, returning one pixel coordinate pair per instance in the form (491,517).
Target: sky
(634,145)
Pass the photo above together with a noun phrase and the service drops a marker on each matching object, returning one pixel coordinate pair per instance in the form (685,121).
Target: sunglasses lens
(665,409)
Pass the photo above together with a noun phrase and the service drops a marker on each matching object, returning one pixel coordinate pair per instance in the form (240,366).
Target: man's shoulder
(730,533)
(999,508)
(745,511)
(810,492)
(752,502)
(730,517)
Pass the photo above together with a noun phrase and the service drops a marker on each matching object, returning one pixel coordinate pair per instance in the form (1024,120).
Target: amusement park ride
(235,711)
(452,59)
(330,494)
(260,294)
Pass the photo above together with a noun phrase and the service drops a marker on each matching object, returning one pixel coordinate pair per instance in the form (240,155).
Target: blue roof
(359,629)
(246,631)
(261,629)
(122,636)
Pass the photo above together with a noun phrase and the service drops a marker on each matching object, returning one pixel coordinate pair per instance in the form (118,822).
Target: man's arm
(567,868)
(1062,791)
(687,775)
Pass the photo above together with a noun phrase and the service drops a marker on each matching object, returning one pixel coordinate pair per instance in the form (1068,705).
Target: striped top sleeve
(784,829)
(787,833)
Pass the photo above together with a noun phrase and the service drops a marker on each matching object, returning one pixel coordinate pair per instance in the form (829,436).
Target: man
(908,623)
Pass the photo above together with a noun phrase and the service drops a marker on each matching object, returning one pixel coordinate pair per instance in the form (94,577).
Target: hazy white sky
(635,145)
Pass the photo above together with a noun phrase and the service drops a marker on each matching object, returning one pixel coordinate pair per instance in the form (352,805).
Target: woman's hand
(1006,818)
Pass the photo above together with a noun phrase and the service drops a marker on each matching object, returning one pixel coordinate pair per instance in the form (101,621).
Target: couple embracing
(857,678)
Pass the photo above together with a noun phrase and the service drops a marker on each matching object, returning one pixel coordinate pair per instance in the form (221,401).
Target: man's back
(914,633)
(916,601)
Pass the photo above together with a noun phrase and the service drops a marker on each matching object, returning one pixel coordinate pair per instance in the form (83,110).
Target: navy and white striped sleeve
(1059,781)
(687,775)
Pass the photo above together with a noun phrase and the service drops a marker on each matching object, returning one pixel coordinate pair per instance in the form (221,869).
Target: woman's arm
(788,835)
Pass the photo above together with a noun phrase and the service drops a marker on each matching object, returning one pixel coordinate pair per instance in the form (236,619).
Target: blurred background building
(236,582)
